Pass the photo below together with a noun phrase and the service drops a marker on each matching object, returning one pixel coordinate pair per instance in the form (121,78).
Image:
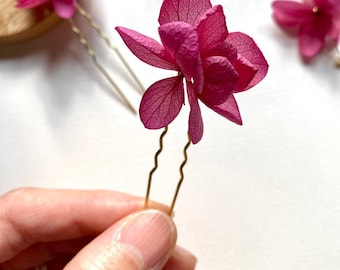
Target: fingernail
(150,234)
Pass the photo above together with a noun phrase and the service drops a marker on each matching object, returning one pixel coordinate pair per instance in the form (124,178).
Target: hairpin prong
(93,56)
(101,34)
(147,196)
(337,56)
(185,150)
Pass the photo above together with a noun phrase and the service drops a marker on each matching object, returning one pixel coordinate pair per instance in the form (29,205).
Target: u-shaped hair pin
(67,11)
(94,58)
(174,199)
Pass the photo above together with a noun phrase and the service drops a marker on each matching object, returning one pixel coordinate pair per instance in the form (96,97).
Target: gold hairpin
(148,189)
(337,57)
(185,153)
(94,58)
(102,35)
(174,199)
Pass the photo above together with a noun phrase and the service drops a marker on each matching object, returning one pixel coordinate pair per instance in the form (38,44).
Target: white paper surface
(263,196)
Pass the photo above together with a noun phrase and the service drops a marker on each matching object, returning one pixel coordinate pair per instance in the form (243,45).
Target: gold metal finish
(147,196)
(185,153)
(185,150)
(93,56)
(101,34)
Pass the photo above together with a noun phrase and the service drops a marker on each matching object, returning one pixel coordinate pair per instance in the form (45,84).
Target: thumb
(143,240)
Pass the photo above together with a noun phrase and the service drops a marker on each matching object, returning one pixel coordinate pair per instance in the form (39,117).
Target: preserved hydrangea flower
(64,8)
(212,63)
(316,20)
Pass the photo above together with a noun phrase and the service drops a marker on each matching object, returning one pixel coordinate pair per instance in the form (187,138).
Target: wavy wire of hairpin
(147,196)
(101,34)
(93,56)
(337,56)
(185,153)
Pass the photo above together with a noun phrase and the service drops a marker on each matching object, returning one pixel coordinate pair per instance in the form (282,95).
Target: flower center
(315,10)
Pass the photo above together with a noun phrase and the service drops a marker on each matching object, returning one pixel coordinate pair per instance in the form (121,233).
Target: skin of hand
(87,229)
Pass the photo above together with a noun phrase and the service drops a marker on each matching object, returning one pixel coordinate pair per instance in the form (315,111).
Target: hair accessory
(337,57)
(211,64)
(316,22)
(67,10)
(147,196)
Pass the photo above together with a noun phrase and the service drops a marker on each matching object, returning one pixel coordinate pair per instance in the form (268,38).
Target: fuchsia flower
(316,21)
(64,8)
(212,62)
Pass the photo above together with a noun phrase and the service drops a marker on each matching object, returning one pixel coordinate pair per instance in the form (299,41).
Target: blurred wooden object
(18,25)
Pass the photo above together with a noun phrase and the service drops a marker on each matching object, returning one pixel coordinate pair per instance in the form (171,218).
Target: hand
(76,229)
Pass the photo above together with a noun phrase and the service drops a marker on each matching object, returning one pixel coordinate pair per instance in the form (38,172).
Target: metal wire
(101,34)
(147,196)
(337,57)
(185,150)
(93,56)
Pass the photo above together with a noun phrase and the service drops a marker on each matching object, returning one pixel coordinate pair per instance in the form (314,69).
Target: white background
(264,196)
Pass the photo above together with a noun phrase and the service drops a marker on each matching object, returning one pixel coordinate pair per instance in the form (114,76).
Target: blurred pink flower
(316,21)
(64,8)
(213,63)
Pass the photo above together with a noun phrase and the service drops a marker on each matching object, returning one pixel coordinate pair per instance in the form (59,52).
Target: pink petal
(311,40)
(162,102)
(247,49)
(246,72)
(30,3)
(147,49)
(326,5)
(195,117)
(212,28)
(182,10)
(228,109)
(334,33)
(198,77)
(220,79)
(336,4)
(290,13)
(64,8)
(181,41)
(222,49)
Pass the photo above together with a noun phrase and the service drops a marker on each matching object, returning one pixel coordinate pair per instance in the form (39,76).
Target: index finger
(31,215)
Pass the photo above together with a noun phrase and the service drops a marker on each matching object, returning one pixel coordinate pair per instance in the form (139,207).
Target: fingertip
(143,240)
(181,259)
(152,234)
